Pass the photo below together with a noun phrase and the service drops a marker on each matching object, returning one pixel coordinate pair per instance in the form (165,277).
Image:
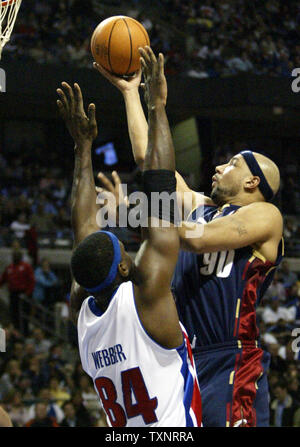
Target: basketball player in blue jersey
(130,339)
(221,275)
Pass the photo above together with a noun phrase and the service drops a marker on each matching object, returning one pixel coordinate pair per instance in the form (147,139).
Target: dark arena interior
(231,71)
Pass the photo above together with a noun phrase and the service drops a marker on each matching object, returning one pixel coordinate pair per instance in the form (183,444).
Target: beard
(220,195)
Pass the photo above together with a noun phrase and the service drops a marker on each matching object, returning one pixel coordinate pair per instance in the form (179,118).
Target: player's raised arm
(156,259)
(138,126)
(83,130)
(136,120)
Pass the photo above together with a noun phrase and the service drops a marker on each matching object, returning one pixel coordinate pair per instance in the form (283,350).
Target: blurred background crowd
(199,39)
(41,380)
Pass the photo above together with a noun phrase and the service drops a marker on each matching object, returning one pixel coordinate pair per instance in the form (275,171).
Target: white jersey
(139,382)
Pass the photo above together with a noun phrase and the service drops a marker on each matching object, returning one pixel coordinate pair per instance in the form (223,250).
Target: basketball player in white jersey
(131,342)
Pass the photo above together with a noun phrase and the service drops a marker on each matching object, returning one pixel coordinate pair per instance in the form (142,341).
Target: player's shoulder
(266,209)
(266,213)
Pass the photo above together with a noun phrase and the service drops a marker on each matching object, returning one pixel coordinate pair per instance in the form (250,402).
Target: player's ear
(251,183)
(123,269)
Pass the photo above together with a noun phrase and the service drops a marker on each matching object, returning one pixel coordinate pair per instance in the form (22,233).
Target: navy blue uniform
(216,296)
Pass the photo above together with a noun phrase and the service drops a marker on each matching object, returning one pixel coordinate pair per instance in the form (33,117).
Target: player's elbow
(139,160)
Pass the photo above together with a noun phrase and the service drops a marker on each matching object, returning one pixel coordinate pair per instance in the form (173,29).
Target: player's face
(228,180)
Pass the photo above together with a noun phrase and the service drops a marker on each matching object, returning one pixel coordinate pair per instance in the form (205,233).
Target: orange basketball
(115,43)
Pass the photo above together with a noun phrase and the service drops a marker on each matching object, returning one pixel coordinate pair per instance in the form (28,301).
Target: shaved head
(270,171)
(234,181)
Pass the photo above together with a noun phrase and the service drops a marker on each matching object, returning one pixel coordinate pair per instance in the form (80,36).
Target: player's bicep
(252,224)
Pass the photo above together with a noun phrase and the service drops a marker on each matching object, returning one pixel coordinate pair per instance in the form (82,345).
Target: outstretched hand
(122,83)
(155,86)
(114,187)
(109,188)
(82,127)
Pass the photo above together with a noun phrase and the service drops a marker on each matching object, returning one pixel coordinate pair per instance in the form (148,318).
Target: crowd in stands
(199,39)
(42,384)
(279,318)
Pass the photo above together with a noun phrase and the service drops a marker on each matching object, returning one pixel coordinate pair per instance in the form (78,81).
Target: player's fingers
(161,63)
(61,109)
(63,99)
(145,55)
(70,95)
(145,68)
(116,178)
(92,114)
(105,182)
(78,98)
(105,72)
(151,55)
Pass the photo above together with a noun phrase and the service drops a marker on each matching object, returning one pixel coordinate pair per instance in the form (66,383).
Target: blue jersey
(217,293)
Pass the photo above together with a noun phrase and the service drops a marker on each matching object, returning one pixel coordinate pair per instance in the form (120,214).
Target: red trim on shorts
(244,389)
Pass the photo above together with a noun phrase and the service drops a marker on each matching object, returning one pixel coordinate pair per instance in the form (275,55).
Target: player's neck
(240,200)
(103,299)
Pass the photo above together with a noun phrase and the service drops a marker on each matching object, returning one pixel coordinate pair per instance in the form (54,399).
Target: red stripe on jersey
(254,274)
(196,404)
(244,389)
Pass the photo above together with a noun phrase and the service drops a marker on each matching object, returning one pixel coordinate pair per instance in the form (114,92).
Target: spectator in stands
(276,289)
(283,407)
(290,228)
(83,416)
(45,282)
(52,409)
(16,408)
(20,226)
(266,337)
(16,246)
(295,306)
(293,387)
(42,221)
(57,392)
(42,419)
(19,276)
(277,363)
(287,353)
(275,312)
(10,378)
(289,278)
(55,363)
(70,419)
(89,395)
(41,344)
(36,374)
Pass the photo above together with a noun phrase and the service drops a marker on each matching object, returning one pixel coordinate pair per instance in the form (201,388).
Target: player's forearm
(83,197)
(5,420)
(160,151)
(137,125)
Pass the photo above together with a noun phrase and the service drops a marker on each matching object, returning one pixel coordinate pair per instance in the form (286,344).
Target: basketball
(115,43)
